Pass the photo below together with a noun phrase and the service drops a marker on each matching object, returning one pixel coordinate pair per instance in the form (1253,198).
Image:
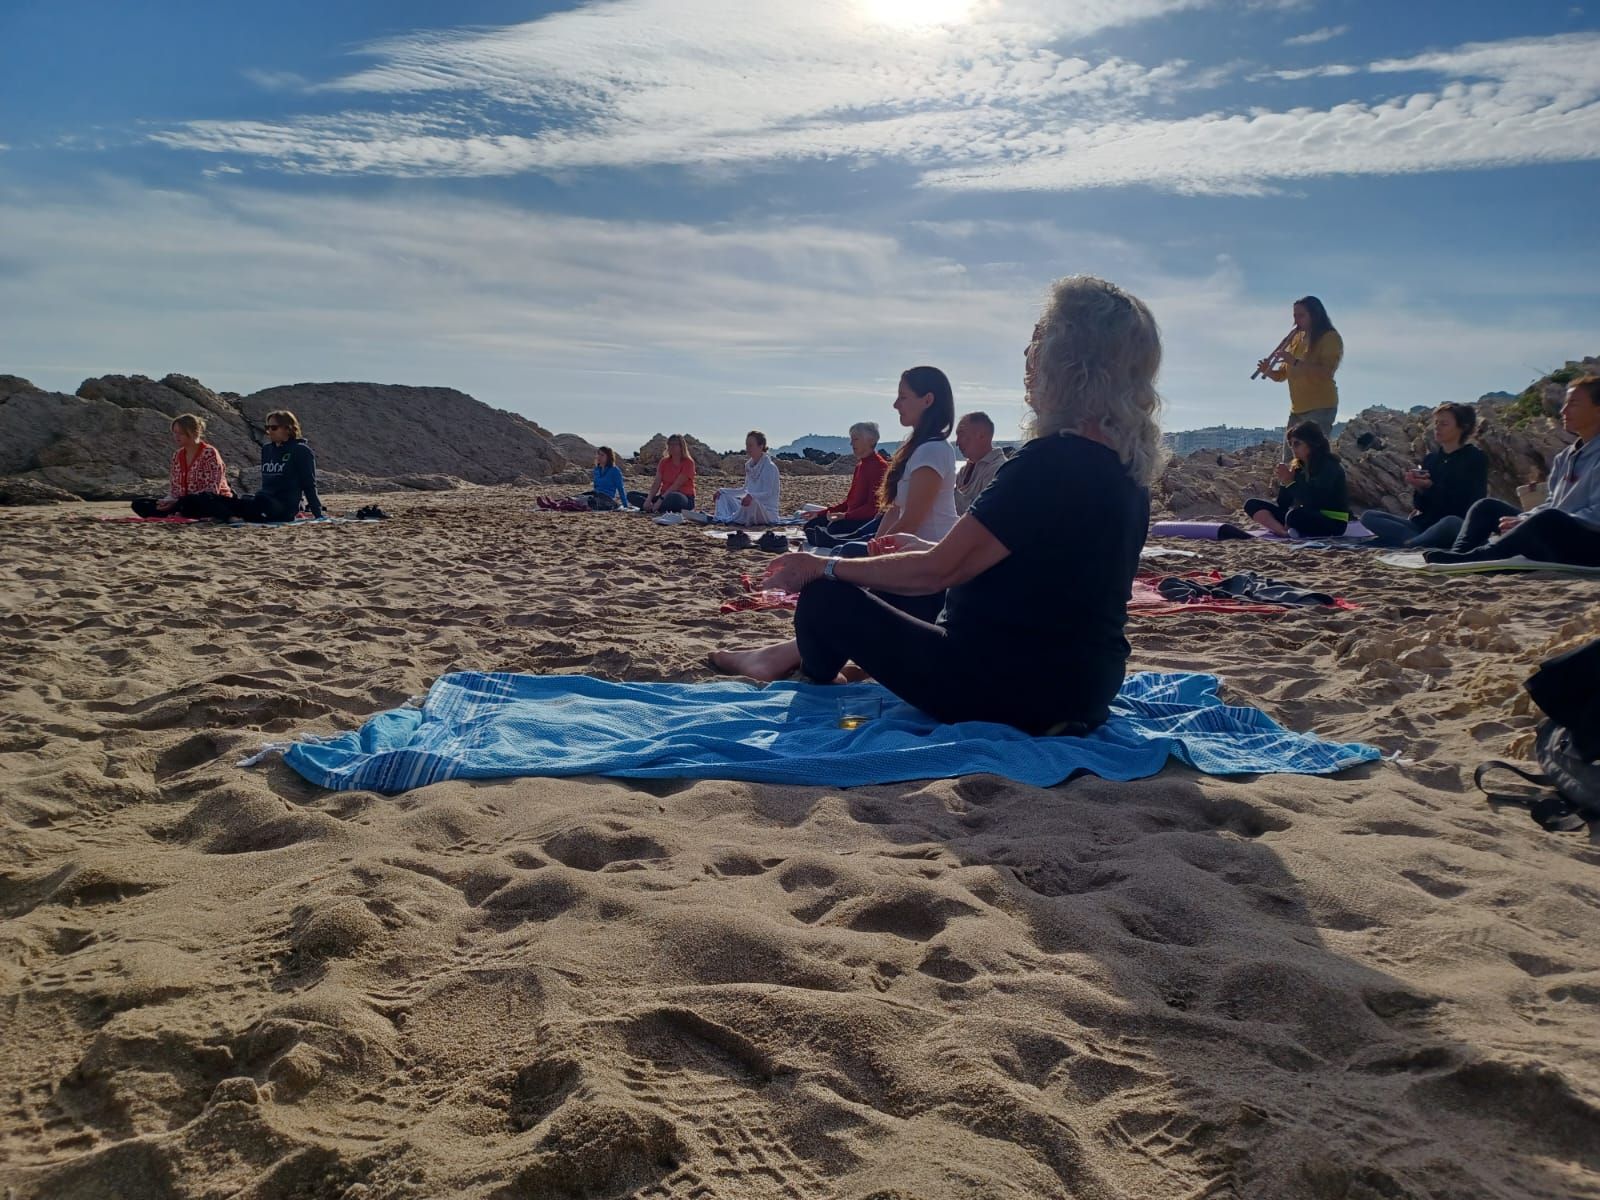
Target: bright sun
(910,14)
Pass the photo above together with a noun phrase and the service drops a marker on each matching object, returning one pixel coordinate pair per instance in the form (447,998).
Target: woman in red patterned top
(194,480)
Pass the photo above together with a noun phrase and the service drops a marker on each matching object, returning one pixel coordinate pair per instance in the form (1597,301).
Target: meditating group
(997,612)
(197,480)
(1453,519)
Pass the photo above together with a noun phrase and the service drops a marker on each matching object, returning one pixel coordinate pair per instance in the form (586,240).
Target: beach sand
(223,982)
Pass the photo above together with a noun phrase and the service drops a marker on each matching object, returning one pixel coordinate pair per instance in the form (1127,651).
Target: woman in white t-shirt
(919,495)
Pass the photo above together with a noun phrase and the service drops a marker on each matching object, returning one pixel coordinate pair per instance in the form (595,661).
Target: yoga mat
(1413,561)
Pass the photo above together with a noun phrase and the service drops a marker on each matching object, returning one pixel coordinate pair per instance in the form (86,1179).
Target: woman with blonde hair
(673,489)
(1032,632)
(288,473)
(196,477)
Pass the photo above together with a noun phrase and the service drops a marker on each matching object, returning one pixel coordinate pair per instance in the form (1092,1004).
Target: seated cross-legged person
(856,516)
(1313,500)
(1565,528)
(197,481)
(1451,479)
(757,502)
(975,440)
(288,474)
(1032,632)
(673,489)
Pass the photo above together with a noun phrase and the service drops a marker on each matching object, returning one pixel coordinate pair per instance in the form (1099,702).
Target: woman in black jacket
(1452,478)
(1313,500)
(288,472)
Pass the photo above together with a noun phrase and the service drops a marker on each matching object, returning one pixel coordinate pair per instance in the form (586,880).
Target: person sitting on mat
(673,490)
(1032,632)
(1313,500)
(196,477)
(288,473)
(975,440)
(1451,479)
(1563,529)
(856,516)
(757,502)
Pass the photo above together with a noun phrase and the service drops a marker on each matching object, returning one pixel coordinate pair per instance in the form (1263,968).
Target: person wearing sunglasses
(288,473)
(1566,527)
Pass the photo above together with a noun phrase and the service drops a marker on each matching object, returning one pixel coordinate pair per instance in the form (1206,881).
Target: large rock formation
(112,439)
(386,430)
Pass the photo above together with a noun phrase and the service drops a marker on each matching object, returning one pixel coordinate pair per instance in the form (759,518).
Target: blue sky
(644,215)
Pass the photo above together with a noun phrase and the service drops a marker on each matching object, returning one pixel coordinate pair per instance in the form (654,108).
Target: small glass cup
(858,710)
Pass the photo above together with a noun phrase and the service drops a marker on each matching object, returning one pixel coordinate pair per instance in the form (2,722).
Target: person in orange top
(195,479)
(1307,364)
(673,490)
(856,516)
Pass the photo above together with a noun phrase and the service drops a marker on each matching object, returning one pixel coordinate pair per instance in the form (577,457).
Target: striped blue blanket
(492,726)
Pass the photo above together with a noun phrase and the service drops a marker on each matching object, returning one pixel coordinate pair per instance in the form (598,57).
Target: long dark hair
(933,426)
(1315,441)
(610,455)
(1319,319)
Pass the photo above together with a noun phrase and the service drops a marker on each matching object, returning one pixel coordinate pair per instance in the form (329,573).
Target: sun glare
(913,14)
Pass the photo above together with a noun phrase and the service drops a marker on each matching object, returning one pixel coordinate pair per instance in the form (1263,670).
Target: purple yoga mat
(1223,531)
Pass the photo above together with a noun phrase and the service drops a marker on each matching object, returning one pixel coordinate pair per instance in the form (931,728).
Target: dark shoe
(773,542)
(739,540)
(371,512)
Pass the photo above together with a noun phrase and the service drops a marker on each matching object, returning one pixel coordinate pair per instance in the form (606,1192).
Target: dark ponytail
(933,426)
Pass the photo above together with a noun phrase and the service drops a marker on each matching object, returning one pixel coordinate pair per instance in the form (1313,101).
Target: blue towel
(491,726)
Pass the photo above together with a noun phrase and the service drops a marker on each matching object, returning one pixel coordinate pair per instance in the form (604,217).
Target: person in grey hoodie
(1566,527)
(288,472)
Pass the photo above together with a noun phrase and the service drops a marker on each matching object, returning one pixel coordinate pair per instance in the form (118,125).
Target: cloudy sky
(627,216)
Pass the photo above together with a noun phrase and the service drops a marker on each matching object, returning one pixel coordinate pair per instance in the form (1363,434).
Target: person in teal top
(608,490)
(1313,498)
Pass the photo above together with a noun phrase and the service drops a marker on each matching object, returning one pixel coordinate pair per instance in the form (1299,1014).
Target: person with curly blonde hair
(1038,570)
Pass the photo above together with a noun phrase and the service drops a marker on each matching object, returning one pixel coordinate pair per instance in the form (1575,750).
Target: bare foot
(853,674)
(765,665)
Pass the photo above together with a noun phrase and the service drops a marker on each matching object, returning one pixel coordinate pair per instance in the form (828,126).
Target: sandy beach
(223,982)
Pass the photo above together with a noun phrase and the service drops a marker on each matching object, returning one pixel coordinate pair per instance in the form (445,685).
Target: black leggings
(1549,535)
(837,623)
(199,506)
(259,508)
(1307,522)
(1482,523)
(827,534)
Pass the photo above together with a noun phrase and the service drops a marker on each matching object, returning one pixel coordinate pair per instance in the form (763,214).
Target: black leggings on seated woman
(1307,522)
(837,623)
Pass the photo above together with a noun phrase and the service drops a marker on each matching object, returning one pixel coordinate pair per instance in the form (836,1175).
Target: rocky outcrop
(112,439)
(1377,447)
(391,430)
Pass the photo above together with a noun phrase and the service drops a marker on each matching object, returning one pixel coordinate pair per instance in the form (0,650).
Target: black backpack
(1567,689)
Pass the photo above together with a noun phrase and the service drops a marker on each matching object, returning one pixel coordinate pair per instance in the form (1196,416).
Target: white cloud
(987,104)
(618,330)
(1317,36)
(1506,103)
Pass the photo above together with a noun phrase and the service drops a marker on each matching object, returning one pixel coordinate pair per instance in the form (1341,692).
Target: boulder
(392,430)
(18,490)
(650,453)
(573,448)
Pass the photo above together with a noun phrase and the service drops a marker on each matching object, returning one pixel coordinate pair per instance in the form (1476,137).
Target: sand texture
(218,982)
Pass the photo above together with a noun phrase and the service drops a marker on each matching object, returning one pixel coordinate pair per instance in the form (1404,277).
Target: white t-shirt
(941,518)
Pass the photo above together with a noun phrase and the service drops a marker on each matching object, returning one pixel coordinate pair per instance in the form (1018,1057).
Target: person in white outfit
(918,497)
(757,502)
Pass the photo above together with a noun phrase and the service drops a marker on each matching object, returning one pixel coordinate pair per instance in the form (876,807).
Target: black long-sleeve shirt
(1460,479)
(288,472)
(1321,490)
